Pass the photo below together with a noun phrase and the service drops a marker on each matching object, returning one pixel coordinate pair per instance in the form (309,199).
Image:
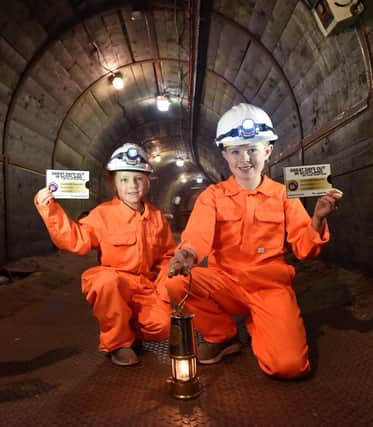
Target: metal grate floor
(51,374)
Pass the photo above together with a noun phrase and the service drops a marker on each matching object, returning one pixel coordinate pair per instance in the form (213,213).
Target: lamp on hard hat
(133,154)
(244,123)
(129,157)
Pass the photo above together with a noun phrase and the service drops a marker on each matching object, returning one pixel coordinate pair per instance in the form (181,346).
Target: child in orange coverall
(242,225)
(135,244)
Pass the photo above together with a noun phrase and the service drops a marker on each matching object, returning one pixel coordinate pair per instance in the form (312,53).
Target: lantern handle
(180,306)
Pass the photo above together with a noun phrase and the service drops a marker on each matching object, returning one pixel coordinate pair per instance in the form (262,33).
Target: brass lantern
(184,383)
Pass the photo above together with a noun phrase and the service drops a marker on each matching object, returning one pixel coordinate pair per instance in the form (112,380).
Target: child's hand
(181,263)
(44,196)
(325,205)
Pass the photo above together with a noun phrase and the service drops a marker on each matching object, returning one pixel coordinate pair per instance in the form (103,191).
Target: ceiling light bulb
(199,179)
(183,179)
(163,103)
(157,158)
(117,81)
(136,15)
(180,163)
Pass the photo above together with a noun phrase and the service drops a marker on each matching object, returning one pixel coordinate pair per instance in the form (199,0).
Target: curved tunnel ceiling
(75,118)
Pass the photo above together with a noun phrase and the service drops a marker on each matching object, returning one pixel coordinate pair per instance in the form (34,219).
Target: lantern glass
(184,369)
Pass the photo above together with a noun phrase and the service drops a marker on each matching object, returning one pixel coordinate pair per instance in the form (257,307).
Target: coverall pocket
(270,228)
(119,239)
(226,210)
(228,226)
(120,249)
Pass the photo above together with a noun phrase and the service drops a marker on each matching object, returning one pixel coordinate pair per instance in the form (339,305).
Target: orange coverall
(134,252)
(243,234)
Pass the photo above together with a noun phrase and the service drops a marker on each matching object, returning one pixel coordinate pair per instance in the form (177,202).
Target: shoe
(124,357)
(209,353)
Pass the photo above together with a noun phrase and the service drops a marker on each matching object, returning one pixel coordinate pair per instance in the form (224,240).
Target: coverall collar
(232,187)
(129,212)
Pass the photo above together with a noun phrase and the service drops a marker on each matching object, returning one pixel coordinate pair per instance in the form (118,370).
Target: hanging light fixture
(138,8)
(184,383)
(179,162)
(183,179)
(177,200)
(117,81)
(163,103)
(199,179)
(157,158)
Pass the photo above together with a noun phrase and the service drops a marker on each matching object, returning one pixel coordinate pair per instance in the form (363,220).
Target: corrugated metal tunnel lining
(58,109)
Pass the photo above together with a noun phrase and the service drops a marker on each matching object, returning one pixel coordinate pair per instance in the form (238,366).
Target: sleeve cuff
(317,237)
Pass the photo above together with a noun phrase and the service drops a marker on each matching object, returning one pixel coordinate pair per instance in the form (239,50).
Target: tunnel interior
(59,109)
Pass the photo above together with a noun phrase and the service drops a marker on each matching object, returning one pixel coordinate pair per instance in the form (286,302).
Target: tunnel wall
(2,216)
(327,75)
(349,150)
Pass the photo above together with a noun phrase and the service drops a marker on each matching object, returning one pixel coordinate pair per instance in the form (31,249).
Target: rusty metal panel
(137,33)
(66,157)
(261,15)
(172,25)
(47,72)
(119,44)
(240,10)
(281,14)
(73,136)
(2,213)
(271,92)
(67,60)
(25,34)
(37,109)
(80,47)
(28,148)
(89,116)
(249,78)
(348,148)
(23,230)
(229,56)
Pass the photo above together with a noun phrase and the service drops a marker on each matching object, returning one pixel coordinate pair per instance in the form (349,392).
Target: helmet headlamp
(131,156)
(248,129)
(132,153)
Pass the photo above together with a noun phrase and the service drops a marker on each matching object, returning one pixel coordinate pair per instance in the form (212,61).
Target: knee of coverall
(156,329)
(98,281)
(288,366)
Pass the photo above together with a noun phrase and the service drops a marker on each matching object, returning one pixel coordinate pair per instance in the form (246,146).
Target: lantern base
(184,390)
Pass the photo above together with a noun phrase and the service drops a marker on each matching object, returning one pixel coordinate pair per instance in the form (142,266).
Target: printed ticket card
(307,181)
(68,184)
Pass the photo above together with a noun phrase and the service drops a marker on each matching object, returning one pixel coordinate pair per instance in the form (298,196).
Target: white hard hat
(129,157)
(244,124)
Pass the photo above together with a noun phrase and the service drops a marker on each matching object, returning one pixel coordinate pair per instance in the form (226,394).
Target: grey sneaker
(209,353)
(124,357)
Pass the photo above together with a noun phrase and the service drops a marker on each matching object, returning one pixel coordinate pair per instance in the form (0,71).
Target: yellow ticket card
(307,181)
(68,184)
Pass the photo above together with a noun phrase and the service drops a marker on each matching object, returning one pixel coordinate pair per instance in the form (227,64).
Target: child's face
(246,162)
(131,187)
